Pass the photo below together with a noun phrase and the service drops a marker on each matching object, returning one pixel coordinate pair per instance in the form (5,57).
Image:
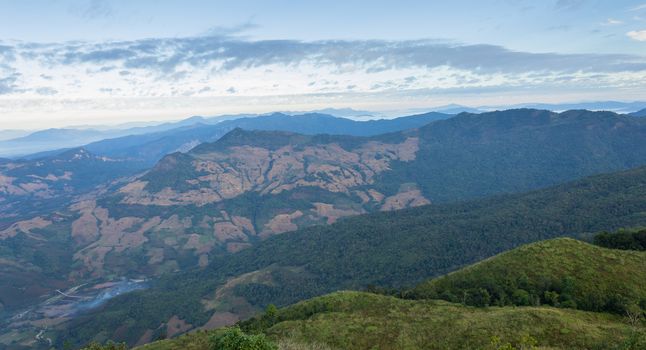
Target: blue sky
(99,61)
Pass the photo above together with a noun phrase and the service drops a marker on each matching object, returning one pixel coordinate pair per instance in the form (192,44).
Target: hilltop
(560,272)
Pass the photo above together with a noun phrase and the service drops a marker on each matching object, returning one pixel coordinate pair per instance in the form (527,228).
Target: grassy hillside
(354,320)
(560,272)
(393,249)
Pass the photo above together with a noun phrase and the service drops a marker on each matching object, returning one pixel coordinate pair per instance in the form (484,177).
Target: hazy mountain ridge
(641,113)
(135,153)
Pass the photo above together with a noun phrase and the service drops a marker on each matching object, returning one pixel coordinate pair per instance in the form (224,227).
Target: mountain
(614,106)
(49,139)
(149,148)
(131,154)
(33,187)
(560,272)
(9,134)
(55,139)
(456,109)
(229,195)
(641,113)
(390,249)
(341,112)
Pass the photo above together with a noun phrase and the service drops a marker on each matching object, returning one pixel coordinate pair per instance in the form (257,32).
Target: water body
(105,294)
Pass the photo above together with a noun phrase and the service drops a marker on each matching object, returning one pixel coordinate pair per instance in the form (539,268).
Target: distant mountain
(641,113)
(12,134)
(341,112)
(457,109)
(49,139)
(55,139)
(613,106)
(136,153)
(31,187)
(393,249)
(149,148)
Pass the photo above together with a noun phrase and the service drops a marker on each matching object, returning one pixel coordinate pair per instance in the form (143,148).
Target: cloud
(223,53)
(639,7)
(92,9)
(639,35)
(231,31)
(612,22)
(46,91)
(8,84)
(171,75)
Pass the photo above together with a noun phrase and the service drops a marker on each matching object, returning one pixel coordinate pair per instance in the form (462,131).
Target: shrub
(236,339)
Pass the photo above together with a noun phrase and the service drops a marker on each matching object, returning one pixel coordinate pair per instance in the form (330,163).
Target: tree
(551,298)
(236,339)
(521,297)
(108,346)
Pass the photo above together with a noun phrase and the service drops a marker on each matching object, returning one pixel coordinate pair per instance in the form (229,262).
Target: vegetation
(561,272)
(475,155)
(623,239)
(107,346)
(355,320)
(391,249)
(235,339)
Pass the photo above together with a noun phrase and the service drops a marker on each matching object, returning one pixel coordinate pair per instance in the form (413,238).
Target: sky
(69,62)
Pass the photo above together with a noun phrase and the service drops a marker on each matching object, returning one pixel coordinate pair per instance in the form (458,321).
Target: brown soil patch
(405,199)
(331,213)
(221,319)
(176,326)
(145,338)
(281,223)
(25,227)
(225,231)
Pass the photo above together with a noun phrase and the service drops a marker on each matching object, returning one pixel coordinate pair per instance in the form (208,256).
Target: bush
(107,346)
(236,339)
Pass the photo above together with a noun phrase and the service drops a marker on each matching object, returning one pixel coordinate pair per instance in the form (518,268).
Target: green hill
(587,274)
(355,320)
(560,272)
(391,249)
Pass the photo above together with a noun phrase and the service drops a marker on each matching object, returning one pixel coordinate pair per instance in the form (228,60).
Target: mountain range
(201,212)
(396,249)
(43,181)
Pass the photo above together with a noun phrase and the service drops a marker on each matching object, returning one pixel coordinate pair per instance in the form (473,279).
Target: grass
(358,320)
(592,276)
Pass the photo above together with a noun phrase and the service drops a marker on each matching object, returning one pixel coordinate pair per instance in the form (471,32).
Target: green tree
(521,297)
(236,339)
(551,298)
(107,346)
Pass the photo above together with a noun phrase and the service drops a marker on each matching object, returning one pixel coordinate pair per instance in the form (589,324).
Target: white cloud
(638,8)
(165,78)
(639,35)
(612,22)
